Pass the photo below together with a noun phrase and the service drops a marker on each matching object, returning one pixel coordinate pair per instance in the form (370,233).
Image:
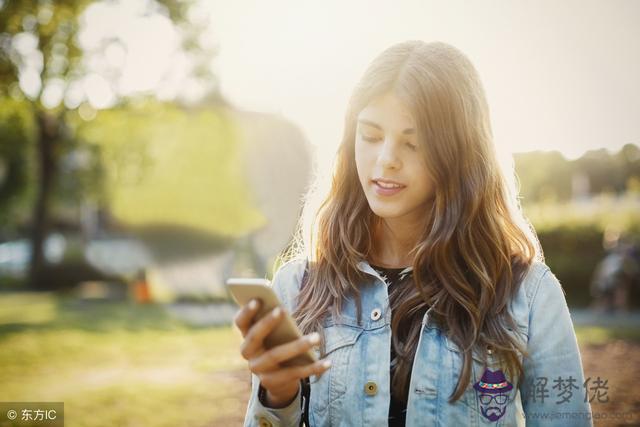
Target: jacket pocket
(491,393)
(327,390)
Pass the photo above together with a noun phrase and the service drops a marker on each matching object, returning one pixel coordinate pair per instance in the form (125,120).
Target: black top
(397,408)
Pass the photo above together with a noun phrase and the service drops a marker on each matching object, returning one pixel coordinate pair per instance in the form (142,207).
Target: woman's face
(387,147)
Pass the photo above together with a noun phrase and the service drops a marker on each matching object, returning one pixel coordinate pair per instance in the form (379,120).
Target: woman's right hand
(281,383)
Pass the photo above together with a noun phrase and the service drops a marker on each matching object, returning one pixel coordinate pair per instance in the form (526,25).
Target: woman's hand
(281,383)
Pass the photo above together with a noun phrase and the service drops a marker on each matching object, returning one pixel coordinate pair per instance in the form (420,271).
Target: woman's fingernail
(253,304)
(326,363)
(314,338)
(276,312)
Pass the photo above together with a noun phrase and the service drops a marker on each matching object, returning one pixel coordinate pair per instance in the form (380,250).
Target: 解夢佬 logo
(493,394)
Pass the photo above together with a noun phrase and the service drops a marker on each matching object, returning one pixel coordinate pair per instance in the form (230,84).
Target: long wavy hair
(476,245)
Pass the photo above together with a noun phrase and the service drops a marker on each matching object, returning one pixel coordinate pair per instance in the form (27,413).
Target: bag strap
(306,387)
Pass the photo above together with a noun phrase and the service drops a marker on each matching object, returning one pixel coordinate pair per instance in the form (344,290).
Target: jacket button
(263,422)
(376,313)
(371,388)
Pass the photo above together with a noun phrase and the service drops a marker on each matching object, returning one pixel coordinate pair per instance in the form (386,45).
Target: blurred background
(150,149)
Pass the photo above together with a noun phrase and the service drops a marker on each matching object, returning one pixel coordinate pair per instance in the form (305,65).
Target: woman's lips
(387,191)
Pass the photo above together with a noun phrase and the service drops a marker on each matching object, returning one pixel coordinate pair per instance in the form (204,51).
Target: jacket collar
(364,266)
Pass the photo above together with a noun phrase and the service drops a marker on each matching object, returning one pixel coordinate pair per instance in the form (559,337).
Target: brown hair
(476,246)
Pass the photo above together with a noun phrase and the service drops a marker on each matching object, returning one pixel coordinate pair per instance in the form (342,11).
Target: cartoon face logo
(493,394)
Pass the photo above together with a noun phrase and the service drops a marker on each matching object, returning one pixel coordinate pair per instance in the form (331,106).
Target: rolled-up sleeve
(553,392)
(262,416)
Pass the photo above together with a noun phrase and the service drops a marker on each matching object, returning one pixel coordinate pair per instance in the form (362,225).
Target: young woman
(426,285)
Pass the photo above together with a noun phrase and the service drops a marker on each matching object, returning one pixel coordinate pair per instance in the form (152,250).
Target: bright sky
(558,74)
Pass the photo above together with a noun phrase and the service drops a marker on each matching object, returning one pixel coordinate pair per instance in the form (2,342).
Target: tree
(16,154)
(40,61)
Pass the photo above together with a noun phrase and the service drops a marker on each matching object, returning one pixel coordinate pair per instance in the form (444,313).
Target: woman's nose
(388,156)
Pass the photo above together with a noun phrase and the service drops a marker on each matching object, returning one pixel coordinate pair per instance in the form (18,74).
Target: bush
(573,253)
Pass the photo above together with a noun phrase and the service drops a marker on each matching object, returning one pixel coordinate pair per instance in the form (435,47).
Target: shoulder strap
(306,387)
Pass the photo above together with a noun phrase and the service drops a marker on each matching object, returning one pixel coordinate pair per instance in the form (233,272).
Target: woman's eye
(374,139)
(369,138)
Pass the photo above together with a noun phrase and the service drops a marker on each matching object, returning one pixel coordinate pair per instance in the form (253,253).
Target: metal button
(376,313)
(371,388)
(263,422)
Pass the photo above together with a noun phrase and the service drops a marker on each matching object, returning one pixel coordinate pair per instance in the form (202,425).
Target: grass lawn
(598,335)
(118,364)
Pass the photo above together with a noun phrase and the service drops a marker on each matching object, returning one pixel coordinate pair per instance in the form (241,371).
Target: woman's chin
(384,210)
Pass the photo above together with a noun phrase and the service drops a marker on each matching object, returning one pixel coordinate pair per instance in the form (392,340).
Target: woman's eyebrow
(408,131)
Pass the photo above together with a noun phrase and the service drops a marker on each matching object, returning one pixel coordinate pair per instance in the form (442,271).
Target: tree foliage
(548,176)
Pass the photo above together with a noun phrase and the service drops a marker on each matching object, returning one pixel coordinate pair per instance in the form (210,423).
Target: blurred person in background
(617,274)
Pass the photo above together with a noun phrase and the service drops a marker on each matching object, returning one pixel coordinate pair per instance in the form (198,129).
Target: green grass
(130,365)
(601,335)
(116,363)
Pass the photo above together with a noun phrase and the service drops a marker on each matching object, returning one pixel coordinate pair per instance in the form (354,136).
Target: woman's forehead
(387,112)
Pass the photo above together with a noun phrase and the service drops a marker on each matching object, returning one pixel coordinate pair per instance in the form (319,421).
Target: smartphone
(244,290)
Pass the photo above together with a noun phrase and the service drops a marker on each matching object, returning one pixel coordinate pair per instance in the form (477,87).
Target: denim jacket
(355,391)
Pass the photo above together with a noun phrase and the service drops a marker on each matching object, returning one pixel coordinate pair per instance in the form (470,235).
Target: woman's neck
(392,245)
